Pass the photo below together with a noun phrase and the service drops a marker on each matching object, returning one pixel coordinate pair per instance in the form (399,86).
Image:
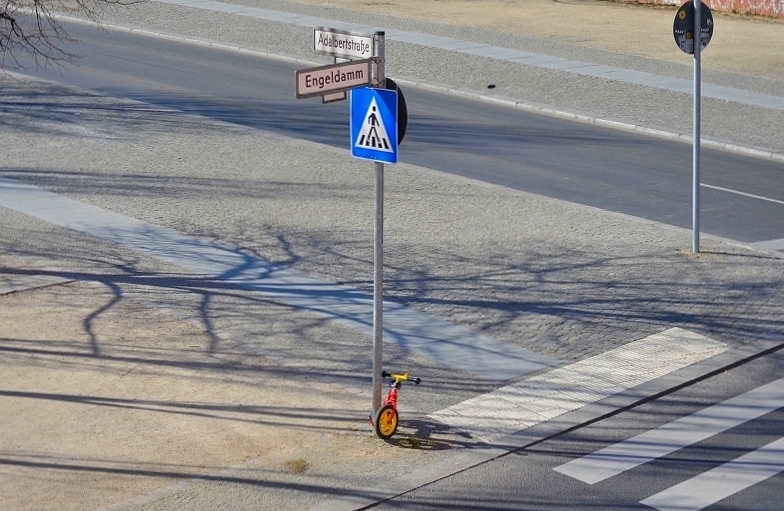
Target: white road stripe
(675,435)
(516,407)
(719,483)
(769,245)
(736,192)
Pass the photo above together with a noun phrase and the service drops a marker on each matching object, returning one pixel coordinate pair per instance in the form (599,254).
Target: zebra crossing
(553,393)
(707,488)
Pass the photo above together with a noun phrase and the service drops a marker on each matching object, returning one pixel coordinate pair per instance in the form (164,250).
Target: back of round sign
(683,27)
(402,109)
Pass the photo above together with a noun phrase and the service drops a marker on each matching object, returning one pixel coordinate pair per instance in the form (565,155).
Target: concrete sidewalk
(129,382)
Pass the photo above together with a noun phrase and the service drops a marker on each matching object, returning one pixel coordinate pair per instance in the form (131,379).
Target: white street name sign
(342,44)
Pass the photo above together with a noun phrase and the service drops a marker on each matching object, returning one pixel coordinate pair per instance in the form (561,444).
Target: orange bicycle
(386,418)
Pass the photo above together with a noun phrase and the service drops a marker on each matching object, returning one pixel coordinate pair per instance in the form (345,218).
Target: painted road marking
(675,435)
(451,344)
(719,483)
(769,245)
(516,407)
(736,192)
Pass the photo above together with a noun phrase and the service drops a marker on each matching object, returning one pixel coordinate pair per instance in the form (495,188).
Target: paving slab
(456,346)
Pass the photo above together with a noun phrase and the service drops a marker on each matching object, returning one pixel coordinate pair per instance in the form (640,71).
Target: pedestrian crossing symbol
(373,123)
(372,133)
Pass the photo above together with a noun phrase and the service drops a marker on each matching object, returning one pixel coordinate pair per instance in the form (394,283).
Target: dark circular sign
(402,110)
(683,27)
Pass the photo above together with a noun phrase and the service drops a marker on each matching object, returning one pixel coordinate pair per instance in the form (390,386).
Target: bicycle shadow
(429,435)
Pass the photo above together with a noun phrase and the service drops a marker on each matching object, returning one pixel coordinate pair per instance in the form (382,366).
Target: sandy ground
(104,400)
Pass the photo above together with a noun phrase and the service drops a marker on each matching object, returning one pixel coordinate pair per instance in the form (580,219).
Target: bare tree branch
(31,28)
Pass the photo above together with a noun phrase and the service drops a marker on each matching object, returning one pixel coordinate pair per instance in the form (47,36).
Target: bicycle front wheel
(386,422)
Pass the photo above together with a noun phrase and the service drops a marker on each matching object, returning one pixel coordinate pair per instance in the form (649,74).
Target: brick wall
(774,8)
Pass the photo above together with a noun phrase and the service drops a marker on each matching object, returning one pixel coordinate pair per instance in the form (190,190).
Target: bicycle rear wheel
(386,422)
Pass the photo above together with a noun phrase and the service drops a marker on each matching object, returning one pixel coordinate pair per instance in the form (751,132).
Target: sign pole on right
(693,29)
(695,190)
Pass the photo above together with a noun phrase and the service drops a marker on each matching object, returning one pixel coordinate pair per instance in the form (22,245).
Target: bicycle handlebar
(399,377)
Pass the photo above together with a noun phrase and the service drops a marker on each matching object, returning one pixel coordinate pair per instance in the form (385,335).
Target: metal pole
(380,76)
(378,286)
(378,256)
(695,215)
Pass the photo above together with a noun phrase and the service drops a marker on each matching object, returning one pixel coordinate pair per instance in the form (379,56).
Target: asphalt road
(535,479)
(742,197)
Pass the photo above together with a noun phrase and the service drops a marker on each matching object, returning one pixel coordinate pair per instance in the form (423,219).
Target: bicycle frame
(391,398)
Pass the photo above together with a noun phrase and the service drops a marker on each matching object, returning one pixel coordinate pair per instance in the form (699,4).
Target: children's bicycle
(386,418)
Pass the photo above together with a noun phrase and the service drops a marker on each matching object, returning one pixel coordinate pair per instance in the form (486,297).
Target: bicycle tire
(385,424)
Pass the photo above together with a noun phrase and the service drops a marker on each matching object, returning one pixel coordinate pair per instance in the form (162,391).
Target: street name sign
(318,81)
(342,44)
(693,29)
(373,124)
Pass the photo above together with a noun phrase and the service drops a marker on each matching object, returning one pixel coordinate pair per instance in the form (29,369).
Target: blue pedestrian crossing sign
(373,124)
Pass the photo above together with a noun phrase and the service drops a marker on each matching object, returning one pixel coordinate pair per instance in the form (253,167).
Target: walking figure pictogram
(372,138)
(373,134)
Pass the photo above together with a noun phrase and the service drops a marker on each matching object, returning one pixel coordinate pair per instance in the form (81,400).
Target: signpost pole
(331,83)
(696,121)
(378,241)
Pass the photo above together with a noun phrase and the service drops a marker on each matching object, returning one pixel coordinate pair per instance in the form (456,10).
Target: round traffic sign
(683,27)
(402,109)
